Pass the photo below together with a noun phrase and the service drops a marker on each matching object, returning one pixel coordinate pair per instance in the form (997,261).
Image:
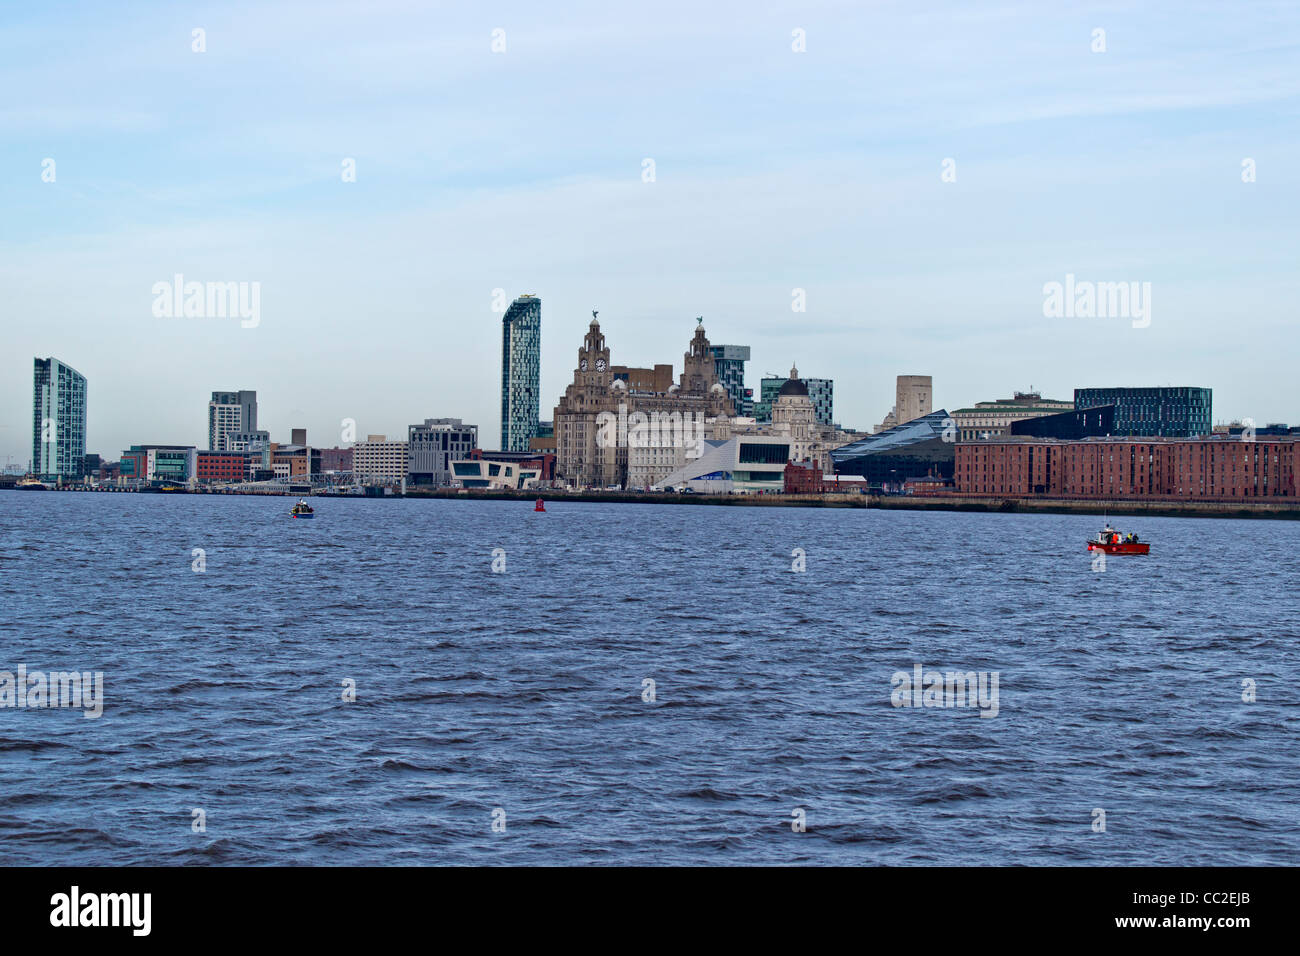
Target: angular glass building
(1167,412)
(58,420)
(915,449)
(521,363)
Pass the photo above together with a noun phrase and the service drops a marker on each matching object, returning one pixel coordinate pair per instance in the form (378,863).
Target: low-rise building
(497,475)
(174,463)
(223,466)
(1212,468)
(743,464)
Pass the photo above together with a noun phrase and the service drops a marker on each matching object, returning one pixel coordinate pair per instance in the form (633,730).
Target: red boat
(1110,541)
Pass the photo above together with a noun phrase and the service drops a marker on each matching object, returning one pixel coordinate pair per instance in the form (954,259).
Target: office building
(58,420)
(433,446)
(493,474)
(1163,412)
(177,464)
(521,362)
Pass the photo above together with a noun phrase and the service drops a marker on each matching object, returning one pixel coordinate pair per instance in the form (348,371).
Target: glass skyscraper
(521,362)
(1167,412)
(58,420)
(729,361)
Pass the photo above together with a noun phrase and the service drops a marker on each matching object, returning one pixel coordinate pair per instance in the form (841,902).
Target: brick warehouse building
(1195,468)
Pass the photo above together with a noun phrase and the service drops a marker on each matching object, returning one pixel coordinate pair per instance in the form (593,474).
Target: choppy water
(523,690)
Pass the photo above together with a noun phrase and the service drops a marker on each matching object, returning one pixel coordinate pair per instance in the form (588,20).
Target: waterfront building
(729,362)
(592,418)
(379,459)
(1165,411)
(497,475)
(989,419)
(172,463)
(58,420)
(821,392)
(539,461)
(806,477)
(433,446)
(1212,468)
(923,447)
(231,412)
(793,419)
(521,362)
(222,466)
(744,464)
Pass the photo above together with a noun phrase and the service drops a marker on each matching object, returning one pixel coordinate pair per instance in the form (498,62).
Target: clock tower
(593,358)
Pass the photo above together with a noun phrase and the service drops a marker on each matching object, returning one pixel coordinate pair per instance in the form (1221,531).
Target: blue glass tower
(521,363)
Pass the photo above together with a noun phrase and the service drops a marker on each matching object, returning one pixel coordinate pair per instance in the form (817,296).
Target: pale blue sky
(522,171)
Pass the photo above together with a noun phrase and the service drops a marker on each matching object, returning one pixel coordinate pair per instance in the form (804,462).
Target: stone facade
(605,404)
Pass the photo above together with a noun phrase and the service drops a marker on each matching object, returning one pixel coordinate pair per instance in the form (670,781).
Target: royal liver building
(592,430)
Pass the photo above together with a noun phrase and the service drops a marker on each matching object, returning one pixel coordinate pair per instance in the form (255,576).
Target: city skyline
(822,173)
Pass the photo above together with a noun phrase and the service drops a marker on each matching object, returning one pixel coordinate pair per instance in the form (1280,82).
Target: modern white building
(744,464)
(378,458)
(485,473)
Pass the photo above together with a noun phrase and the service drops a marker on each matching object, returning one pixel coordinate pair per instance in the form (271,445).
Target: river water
(507,716)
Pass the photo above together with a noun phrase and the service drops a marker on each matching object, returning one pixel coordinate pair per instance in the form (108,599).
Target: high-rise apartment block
(521,363)
(58,420)
(232,413)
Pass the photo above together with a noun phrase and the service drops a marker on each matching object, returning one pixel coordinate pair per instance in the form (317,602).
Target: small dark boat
(302,510)
(1110,541)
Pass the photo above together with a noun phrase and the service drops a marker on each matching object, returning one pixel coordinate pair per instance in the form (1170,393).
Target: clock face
(583,365)
(600,365)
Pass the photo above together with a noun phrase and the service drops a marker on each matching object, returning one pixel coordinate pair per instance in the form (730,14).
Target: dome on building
(793,386)
(717,387)
(619,384)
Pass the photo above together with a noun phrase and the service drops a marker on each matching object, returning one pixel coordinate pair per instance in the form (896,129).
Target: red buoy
(540,506)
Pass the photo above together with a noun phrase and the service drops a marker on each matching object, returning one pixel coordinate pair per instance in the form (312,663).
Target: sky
(919,170)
